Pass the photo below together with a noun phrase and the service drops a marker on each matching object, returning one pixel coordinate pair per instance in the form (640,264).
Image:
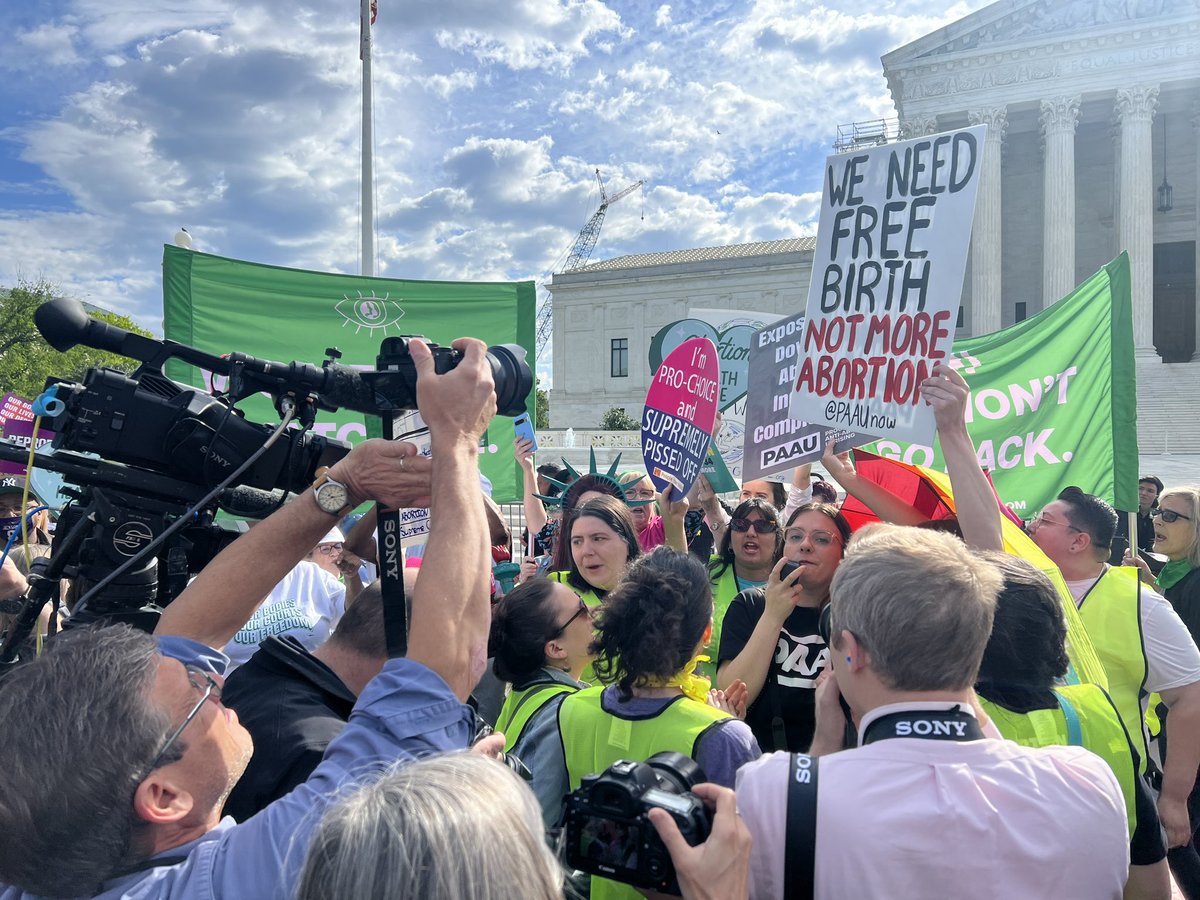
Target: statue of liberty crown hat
(608,479)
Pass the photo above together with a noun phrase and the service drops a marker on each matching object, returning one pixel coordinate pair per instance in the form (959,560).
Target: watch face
(331,496)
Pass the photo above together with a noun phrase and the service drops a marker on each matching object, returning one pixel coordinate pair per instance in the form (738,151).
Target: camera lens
(513,378)
(676,770)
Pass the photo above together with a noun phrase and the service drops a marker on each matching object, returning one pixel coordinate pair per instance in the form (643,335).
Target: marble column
(986,256)
(1114,132)
(1059,116)
(1135,108)
(1196,223)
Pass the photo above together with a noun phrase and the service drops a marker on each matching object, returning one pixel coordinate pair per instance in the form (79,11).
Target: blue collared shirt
(407,711)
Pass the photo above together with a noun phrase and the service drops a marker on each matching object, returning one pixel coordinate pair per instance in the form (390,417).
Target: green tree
(26,360)
(541,407)
(616,419)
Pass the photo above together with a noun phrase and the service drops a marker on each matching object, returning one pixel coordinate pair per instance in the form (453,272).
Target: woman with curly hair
(650,631)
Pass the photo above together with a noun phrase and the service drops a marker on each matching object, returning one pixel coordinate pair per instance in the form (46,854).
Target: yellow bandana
(694,687)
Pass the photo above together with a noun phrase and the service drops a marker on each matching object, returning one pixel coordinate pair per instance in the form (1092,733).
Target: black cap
(15,484)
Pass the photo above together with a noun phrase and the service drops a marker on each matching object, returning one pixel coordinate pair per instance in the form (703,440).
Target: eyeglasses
(209,686)
(1168,515)
(1040,519)
(760,526)
(818,538)
(329,549)
(640,494)
(584,610)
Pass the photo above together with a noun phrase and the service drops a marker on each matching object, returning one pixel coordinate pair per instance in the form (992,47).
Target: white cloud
(533,34)
(241,121)
(646,77)
(445,85)
(47,45)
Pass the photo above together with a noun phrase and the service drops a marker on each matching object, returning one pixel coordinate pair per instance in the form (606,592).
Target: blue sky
(121,121)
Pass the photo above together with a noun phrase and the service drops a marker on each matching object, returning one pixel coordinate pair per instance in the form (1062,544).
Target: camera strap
(800,836)
(954,724)
(391,583)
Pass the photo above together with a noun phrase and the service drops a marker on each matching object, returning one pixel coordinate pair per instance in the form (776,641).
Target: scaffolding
(872,133)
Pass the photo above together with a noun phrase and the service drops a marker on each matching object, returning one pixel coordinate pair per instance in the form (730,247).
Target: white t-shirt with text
(307,604)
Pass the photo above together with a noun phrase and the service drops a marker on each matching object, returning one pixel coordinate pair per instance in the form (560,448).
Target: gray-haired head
(442,828)
(919,602)
(79,729)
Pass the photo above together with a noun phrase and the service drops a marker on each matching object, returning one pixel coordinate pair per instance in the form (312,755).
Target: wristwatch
(331,496)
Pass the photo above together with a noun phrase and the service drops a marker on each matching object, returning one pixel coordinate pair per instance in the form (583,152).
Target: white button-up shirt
(915,818)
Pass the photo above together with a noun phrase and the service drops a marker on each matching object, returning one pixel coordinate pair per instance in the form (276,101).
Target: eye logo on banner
(680,411)
(370,312)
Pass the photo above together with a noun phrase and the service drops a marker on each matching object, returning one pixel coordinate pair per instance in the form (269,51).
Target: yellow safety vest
(1085,717)
(594,739)
(724,589)
(520,706)
(1111,613)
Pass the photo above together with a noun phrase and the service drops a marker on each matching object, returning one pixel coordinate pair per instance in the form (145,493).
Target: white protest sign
(887,280)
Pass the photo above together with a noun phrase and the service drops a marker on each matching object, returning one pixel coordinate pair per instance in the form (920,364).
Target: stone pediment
(1035,22)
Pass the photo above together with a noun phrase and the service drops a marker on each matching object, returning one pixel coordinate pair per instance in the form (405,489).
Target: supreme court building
(1093,147)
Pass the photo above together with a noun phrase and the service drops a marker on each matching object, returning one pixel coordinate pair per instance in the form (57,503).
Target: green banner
(1054,399)
(226,305)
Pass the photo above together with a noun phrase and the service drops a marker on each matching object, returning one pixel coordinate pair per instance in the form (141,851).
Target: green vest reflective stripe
(520,706)
(1100,730)
(594,739)
(724,589)
(588,675)
(1111,613)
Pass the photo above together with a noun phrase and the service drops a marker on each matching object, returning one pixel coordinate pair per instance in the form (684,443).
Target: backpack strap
(1074,732)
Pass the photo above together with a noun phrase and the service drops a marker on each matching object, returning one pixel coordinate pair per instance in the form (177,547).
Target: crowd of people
(892,711)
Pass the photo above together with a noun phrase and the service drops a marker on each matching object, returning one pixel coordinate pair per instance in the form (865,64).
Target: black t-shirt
(1184,595)
(790,689)
(293,705)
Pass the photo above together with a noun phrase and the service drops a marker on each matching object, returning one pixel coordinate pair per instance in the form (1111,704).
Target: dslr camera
(609,833)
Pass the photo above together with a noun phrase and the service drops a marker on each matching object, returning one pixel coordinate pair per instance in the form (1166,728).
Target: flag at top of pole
(368,12)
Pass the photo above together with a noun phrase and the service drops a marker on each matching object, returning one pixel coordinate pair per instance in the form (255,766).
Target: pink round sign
(681,407)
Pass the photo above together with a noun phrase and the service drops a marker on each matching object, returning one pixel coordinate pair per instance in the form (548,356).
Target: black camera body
(151,460)
(609,833)
(394,383)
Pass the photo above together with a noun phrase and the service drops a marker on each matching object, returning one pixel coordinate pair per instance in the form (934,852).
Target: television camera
(150,461)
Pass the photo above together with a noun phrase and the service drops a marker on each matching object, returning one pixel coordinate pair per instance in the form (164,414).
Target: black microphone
(64,323)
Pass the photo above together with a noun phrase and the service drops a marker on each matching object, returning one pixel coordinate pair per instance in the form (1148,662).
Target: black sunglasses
(761,526)
(1168,515)
(584,610)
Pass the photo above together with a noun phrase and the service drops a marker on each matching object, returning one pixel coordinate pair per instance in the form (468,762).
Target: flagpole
(368,140)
